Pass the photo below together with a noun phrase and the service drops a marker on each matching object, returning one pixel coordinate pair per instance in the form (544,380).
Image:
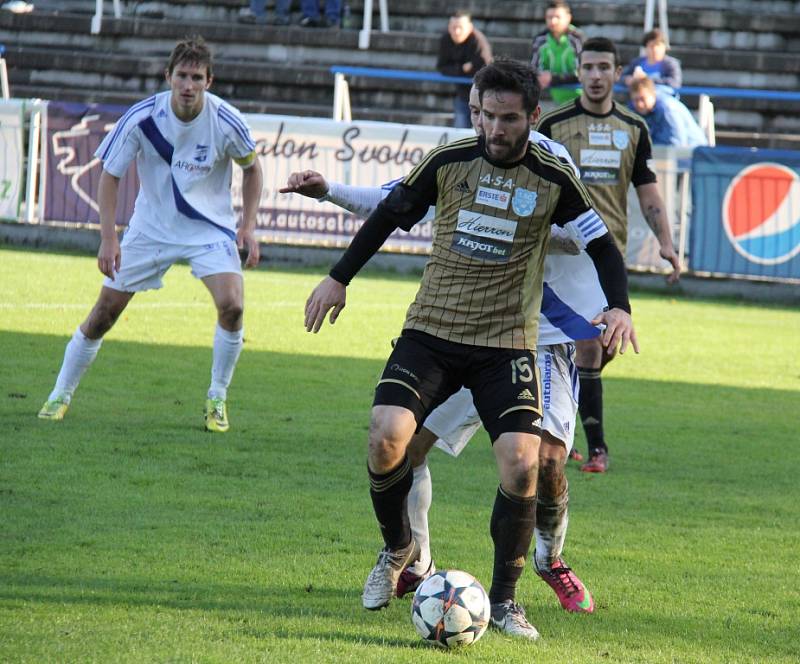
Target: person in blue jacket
(667,118)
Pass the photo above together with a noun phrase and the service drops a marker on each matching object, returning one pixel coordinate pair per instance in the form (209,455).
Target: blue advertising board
(746,212)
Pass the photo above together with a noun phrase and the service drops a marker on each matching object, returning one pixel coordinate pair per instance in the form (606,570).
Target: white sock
(552,519)
(419,502)
(227,347)
(79,354)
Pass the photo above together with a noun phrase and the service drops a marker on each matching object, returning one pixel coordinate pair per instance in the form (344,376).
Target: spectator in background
(463,50)
(555,52)
(313,19)
(664,70)
(257,12)
(669,121)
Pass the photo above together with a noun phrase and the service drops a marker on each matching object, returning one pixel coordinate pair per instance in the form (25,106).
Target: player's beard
(513,152)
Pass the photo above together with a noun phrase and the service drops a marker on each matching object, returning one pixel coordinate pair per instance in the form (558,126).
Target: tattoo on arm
(652,215)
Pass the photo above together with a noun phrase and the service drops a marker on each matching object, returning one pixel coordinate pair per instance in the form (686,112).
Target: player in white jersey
(184,141)
(572,299)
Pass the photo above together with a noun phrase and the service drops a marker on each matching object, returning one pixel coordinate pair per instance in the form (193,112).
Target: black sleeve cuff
(611,271)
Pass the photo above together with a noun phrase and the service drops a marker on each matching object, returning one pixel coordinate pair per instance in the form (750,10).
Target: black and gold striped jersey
(612,152)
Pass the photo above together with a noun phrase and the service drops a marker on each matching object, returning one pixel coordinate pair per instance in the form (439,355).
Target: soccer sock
(512,524)
(388,493)
(590,406)
(227,347)
(79,354)
(419,502)
(552,518)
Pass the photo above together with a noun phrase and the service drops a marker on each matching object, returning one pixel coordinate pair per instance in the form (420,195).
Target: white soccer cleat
(382,580)
(509,618)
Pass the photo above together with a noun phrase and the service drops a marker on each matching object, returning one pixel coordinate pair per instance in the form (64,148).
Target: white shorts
(456,420)
(144,261)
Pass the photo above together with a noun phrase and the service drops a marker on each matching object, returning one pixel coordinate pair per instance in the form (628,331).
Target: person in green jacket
(555,52)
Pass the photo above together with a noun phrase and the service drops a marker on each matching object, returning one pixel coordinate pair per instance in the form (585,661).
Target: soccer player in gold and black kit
(611,146)
(474,320)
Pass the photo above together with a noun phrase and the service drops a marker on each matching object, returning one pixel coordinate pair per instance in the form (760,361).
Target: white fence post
(4,74)
(366,29)
(705,118)
(97,19)
(341,98)
(33,161)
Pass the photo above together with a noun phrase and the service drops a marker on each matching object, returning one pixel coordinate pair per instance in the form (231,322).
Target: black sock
(590,407)
(513,520)
(389,493)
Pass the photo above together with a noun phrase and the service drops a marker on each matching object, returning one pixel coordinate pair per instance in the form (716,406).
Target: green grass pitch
(128,534)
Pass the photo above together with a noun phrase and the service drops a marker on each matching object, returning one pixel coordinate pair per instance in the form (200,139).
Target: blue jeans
(310,8)
(259,8)
(461,115)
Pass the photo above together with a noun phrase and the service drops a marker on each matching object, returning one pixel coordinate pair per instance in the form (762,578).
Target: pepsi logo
(761,213)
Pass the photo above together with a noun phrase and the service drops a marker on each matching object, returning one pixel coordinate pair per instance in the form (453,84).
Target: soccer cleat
(597,463)
(570,591)
(216,415)
(382,580)
(575,455)
(54,409)
(409,580)
(509,618)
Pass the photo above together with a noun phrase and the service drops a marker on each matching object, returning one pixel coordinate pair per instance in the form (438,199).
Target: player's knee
(387,441)
(230,312)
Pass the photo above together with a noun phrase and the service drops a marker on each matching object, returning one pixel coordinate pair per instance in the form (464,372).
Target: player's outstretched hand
(109,256)
(669,255)
(306,183)
(619,330)
(247,240)
(329,294)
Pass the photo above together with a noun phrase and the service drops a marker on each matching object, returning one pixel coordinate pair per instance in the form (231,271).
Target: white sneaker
(382,580)
(509,617)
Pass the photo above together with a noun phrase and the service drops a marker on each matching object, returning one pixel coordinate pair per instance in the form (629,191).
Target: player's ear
(533,118)
(617,73)
(166,75)
(208,82)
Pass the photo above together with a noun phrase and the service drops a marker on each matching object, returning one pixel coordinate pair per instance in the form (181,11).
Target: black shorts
(423,371)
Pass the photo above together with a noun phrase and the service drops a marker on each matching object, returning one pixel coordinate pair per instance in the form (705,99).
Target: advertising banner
(12,182)
(70,172)
(366,154)
(746,216)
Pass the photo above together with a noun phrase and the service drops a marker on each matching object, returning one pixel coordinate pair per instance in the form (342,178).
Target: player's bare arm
(329,295)
(655,215)
(108,256)
(306,183)
(252,183)
(618,330)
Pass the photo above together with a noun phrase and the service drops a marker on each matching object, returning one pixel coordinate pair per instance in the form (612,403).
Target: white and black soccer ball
(450,608)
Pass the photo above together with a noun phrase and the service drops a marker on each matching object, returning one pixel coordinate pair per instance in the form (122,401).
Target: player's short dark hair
(655,35)
(600,45)
(558,4)
(461,13)
(511,76)
(192,50)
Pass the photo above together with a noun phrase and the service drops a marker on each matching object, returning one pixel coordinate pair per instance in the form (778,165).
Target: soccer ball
(450,608)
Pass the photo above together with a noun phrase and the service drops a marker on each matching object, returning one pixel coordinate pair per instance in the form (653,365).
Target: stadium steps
(262,68)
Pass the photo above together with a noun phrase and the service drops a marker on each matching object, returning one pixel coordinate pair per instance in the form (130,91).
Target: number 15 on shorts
(521,370)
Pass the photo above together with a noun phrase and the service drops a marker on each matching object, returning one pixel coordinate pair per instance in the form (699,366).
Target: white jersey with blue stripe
(572,294)
(184,168)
